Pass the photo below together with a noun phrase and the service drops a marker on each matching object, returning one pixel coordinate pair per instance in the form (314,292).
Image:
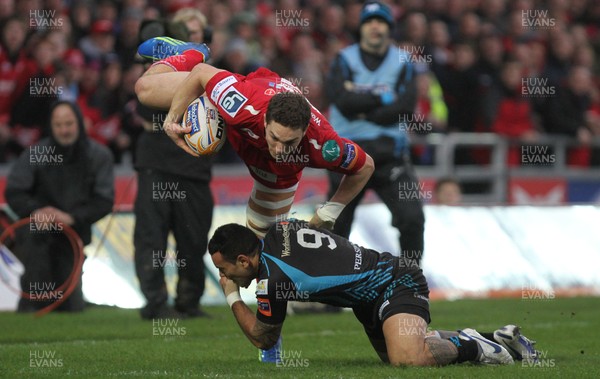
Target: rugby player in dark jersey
(296,262)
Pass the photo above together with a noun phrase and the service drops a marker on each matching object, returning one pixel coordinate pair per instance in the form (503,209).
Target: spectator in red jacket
(508,112)
(15,70)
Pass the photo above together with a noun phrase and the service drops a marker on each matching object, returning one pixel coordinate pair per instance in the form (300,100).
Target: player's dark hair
(290,110)
(232,240)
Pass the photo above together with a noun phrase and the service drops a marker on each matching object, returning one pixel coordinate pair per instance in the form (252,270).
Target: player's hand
(316,222)
(228,285)
(176,131)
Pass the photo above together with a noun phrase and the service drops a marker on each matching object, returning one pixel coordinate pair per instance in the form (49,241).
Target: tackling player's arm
(192,87)
(355,178)
(262,335)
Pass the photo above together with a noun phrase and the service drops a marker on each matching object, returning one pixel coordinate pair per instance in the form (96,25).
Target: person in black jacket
(64,179)
(173,196)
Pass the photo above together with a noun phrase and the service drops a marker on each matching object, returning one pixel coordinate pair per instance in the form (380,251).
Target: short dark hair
(290,110)
(232,240)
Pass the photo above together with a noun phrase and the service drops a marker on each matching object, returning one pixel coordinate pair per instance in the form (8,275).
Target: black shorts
(407,293)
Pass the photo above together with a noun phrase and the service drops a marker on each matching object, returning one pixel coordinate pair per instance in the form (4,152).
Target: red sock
(185,61)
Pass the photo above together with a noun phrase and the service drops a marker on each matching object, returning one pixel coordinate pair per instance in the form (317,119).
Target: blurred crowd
(518,68)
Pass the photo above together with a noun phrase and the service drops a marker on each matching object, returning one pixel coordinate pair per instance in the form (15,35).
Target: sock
(185,61)
(489,336)
(467,350)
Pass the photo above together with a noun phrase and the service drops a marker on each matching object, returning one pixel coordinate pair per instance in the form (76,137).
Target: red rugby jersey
(243,100)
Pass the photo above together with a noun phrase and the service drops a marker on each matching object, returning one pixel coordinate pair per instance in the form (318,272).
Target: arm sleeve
(406,100)
(101,201)
(270,310)
(348,102)
(350,159)
(20,186)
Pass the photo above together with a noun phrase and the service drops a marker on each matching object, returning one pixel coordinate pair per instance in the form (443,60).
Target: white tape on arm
(233,297)
(330,211)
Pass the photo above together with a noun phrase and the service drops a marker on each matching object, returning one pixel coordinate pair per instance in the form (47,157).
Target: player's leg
(343,224)
(405,341)
(157,86)
(175,59)
(368,317)
(151,229)
(267,206)
(191,220)
(398,187)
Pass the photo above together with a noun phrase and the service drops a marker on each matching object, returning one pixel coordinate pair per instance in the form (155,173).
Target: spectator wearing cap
(371,83)
(100,42)
(74,63)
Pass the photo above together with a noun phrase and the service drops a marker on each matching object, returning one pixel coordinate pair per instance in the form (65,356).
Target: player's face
(239,273)
(374,33)
(282,140)
(64,125)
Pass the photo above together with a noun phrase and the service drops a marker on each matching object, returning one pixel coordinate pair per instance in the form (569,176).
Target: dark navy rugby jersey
(302,264)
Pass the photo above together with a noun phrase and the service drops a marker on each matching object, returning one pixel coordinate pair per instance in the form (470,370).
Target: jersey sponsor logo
(287,246)
(264,306)
(270,91)
(221,86)
(262,287)
(268,176)
(331,150)
(232,101)
(315,144)
(349,156)
(357,257)
(251,109)
(385,304)
(424,298)
(315,118)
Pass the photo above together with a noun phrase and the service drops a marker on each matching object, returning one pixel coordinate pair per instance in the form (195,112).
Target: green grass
(106,342)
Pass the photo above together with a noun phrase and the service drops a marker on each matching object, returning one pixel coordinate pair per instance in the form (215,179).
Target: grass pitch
(105,342)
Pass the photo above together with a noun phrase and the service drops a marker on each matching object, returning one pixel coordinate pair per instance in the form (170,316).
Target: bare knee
(143,88)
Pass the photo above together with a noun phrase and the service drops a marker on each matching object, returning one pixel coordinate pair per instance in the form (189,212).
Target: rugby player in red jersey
(270,125)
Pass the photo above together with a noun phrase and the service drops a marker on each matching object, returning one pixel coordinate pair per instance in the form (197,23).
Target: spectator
(415,29)
(447,191)
(507,112)
(126,45)
(81,18)
(42,90)
(196,24)
(236,58)
(65,178)
(15,70)
(100,42)
(369,89)
(439,46)
(559,58)
(567,112)
(74,64)
(105,105)
(460,84)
